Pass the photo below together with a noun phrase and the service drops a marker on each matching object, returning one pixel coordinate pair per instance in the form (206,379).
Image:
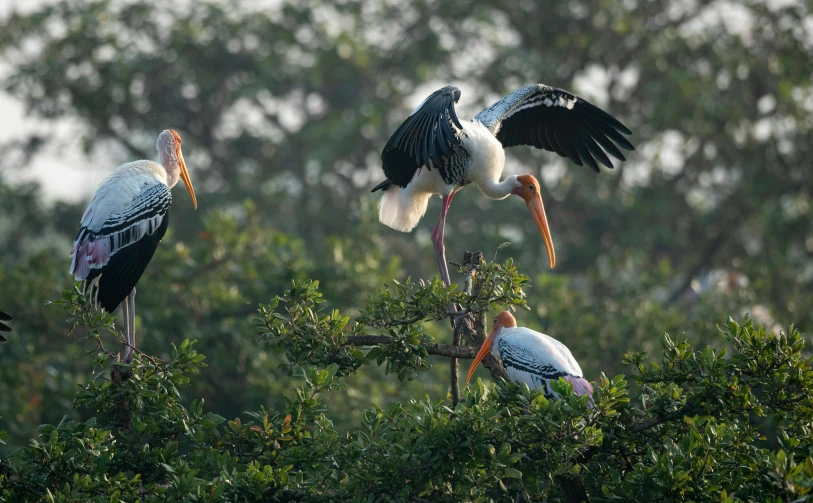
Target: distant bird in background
(3,326)
(122,226)
(531,357)
(455,154)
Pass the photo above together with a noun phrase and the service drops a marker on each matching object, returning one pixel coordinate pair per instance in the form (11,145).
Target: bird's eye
(531,187)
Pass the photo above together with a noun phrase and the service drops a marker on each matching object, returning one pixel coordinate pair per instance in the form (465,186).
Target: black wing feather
(594,149)
(603,141)
(604,116)
(561,135)
(426,135)
(4,327)
(121,274)
(557,121)
(551,139)
(573,155)
(538,132)
(583,152)
(615,136)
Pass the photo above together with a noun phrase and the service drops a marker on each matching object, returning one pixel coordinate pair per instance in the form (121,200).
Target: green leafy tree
(689,427)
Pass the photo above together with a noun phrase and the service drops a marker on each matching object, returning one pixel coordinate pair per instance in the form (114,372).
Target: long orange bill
(484,350)
(186,180)
(538,212)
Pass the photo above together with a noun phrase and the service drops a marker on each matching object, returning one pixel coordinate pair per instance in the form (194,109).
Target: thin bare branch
(446,350)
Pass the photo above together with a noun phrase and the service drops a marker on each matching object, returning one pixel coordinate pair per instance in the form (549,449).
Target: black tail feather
(382,186)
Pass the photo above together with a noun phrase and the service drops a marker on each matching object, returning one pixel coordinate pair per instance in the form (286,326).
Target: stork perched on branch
(531,357)
(432,152)
(122,226)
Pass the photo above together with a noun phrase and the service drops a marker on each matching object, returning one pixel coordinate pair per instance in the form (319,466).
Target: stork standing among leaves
(432,152)
(122,226)
(531,357)
(3,326)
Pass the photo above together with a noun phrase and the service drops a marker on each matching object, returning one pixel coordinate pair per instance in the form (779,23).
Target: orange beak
(186,180)
(534,202)
(484,350)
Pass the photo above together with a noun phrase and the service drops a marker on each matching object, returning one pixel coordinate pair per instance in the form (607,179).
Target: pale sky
(64,171)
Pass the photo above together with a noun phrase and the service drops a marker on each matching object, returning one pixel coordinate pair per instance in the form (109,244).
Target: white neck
(171,164)
(499,190)
(495,344)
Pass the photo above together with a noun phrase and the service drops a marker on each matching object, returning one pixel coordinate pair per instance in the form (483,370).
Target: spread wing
(555,120)
(430,133)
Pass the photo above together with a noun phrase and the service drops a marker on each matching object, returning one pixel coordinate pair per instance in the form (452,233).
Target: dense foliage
(690,427)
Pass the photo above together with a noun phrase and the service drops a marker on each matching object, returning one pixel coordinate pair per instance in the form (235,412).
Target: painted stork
(122,226)
(455,154)
(531,357)
(3,326)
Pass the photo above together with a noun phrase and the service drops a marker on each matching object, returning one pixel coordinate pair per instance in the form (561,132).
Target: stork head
(528,189)
(169,152)
(502,320)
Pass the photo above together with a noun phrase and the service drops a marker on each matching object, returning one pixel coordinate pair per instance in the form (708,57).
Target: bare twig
(446,350)
(454,365)
(454,368)
(654,421)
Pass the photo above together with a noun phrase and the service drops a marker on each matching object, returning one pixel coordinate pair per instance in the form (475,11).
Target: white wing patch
(523,99)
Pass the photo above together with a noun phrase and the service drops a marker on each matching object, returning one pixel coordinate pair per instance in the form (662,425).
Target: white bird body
(531,357)
(487,161)
(536,359)
(402,208)
(122,226)
(433,152)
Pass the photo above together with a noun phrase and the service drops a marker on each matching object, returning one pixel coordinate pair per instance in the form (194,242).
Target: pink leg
(131,342)
(437,239)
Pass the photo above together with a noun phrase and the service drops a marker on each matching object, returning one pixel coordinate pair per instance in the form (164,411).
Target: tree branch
(466,326)
(454,364)
(454,369)
(447,350)
(654,421)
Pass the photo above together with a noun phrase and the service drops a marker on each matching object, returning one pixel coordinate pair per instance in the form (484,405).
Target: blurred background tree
(284,108)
